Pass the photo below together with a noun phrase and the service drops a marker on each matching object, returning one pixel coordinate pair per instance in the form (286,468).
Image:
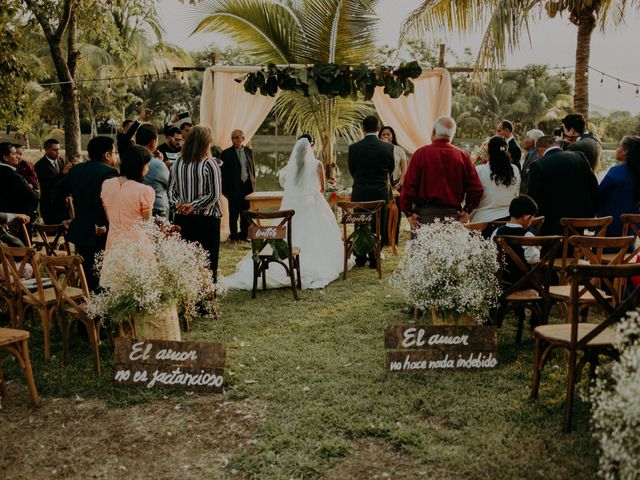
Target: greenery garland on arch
(332,80)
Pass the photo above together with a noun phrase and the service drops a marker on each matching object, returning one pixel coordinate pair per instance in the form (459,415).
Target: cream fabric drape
(412,117)
(225,106)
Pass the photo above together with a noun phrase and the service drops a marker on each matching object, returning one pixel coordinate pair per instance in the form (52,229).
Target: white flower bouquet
(450,271)
(615,409)
(142,279)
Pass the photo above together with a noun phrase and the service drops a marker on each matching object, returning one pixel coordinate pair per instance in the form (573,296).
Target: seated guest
(17,196)
(25,168)
(500,182)
(530,157)
(88,229)
(50,169)
(521,212)
(158,175)
(619,189)
(127,200)
(172,147)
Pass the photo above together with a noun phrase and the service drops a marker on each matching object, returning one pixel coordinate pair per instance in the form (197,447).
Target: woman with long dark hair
(127,200)
(620,188)
(195,189)
(388,134)
(500,180)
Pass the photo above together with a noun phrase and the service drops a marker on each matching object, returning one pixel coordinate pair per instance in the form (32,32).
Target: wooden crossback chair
(52,239)
(577,226)
(630,226)
(532,289)
(33,294)
(476,226)
(16,342)
(588,251)
(590,338)
(67,275)
(361,213)
(263,240)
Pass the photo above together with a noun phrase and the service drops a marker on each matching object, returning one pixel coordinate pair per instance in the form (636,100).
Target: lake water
(272,153)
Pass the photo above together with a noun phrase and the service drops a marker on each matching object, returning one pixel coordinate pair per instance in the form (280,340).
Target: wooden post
(441,58)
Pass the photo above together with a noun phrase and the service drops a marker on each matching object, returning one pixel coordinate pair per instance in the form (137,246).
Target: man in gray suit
(370,164)
(581,140)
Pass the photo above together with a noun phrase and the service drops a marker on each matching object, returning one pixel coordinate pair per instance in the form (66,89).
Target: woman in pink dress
(127,200)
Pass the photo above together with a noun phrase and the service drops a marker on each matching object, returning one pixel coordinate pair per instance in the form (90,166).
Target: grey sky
(553,43)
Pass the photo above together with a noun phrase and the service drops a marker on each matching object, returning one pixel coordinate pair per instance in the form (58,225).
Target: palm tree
(507,18)
(303,32)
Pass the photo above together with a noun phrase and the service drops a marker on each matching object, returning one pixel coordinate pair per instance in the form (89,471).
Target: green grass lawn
(318,364)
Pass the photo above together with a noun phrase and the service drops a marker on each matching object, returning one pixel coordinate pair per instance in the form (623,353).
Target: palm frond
(266,29)
(338,31)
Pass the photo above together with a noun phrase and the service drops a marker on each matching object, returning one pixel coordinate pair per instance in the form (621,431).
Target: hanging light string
(146,76)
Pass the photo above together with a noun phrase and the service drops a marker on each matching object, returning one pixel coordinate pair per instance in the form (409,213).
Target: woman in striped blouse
(194,189)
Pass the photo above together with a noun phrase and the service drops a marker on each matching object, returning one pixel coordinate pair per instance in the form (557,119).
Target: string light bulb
(619,87)
(109,86)
(564,75)
(637,91)
(602,81)
(144,84)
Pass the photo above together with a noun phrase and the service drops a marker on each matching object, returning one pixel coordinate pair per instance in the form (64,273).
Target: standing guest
(17,196)
(531,156)
(88,229)
(371,163)
(127,200)
(195,189)
(505,129)
(388,134)
(185,129)
(26,169)
(238,181)
(172,147)
(620,188)
(439,179)
(562,184)
(124,138)
(158,175)
(581,140)
(500,182)
(50,169)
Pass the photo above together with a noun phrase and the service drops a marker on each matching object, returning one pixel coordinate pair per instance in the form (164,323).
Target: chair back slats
(577,226)
(16,264)
(67,272)
(631,226)
(536,276)
(590,249)
(586,276)
(51,238)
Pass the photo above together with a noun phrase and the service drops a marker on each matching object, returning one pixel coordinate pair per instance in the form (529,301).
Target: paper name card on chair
(411,348)
(193,366)
(357,217)
(267,233)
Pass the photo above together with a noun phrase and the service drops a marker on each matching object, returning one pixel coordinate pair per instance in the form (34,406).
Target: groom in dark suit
(370,164)
(562,184)
(88,230)
(238,181)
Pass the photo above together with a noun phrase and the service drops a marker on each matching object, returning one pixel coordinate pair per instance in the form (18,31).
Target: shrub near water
(450,269)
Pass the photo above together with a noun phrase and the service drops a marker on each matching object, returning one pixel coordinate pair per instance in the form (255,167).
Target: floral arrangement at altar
(480,153)
(334,190)
(615,405)
(141,280)
(449,271)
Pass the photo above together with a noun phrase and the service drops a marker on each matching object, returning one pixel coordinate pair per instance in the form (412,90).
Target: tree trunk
(586,24)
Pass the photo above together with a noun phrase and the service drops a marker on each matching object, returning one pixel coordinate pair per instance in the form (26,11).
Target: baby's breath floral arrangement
(143,278)
(615,398)
(449,269)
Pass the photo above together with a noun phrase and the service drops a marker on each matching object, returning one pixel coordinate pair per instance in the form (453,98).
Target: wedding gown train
(314,230)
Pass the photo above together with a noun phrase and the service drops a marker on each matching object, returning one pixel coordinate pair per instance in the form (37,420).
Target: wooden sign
(357,217)
(267,233)
(437,348)
(195,366)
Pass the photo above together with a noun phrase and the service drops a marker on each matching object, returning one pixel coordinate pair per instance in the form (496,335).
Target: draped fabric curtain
(412,116)
(225,106)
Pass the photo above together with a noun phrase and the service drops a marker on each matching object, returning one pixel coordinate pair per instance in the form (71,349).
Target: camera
(558,132)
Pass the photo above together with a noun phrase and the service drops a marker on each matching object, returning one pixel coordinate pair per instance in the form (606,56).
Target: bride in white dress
(314,228)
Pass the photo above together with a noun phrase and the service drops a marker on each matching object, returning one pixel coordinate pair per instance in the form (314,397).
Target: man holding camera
(578,139)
